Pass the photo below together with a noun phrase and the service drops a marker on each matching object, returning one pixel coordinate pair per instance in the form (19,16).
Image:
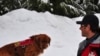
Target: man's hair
(94,29)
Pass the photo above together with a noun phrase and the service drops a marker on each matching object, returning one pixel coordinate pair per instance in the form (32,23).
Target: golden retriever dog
(33,46)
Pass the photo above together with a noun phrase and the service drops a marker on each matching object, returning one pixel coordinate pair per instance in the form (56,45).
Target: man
(89,27)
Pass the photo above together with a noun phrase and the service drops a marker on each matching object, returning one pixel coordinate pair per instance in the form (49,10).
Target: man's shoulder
(97,40)
(83,42)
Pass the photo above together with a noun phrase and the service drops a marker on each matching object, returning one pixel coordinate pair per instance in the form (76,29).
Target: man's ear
(88,27)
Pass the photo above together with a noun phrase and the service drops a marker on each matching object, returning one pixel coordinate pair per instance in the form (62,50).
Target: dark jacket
(89,47)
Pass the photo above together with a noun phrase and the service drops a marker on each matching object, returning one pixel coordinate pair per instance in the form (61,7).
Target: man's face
(84,30)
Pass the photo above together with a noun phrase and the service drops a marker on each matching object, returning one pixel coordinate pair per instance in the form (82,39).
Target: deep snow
(19,24)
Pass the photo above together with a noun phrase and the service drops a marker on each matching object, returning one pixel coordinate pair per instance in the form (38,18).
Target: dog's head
(42,40)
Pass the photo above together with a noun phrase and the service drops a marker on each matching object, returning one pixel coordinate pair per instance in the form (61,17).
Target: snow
(46,1)
(99,1)
(19,24)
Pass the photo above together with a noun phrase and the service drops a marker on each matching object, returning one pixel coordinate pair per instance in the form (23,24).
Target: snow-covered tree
(69,8)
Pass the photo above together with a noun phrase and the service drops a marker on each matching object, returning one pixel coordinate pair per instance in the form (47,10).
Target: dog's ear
(33,37)
(43,40)
(37,39)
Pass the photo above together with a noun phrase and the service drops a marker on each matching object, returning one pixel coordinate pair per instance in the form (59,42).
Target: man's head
(89,23)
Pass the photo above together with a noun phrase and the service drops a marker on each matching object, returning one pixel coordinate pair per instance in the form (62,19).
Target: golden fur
(39,43)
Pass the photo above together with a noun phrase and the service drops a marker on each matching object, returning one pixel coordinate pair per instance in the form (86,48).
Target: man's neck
(90,35)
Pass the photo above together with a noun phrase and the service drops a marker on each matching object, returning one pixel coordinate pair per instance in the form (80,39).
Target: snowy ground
(20,24)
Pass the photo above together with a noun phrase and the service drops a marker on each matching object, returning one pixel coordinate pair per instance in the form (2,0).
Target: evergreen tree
(69,8)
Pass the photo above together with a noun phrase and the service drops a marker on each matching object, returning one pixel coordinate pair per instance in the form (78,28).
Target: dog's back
(7,50)
(11,50)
